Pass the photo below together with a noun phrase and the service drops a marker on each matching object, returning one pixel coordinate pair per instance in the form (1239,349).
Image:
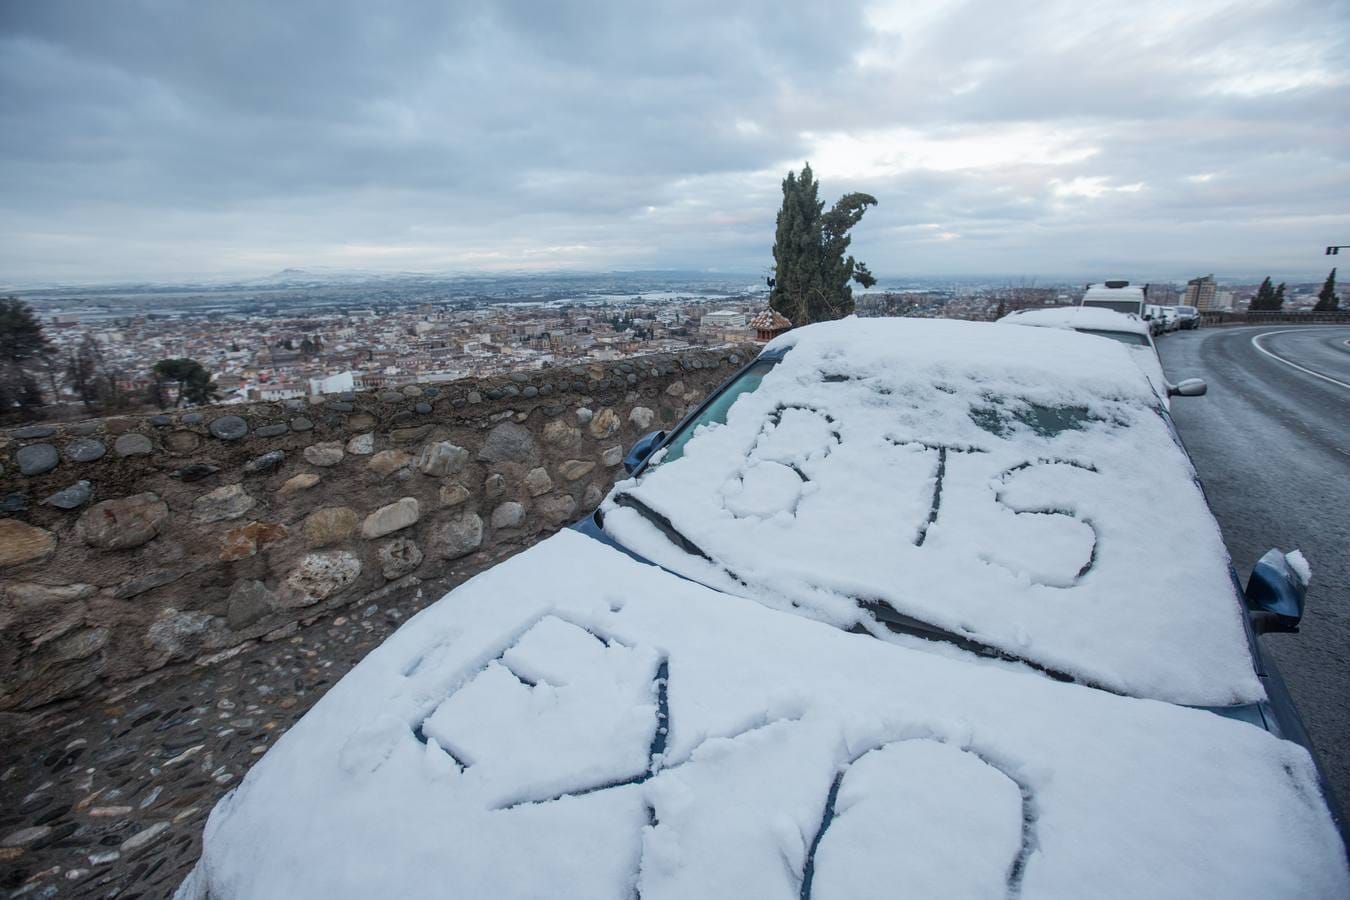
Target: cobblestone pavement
(109,800)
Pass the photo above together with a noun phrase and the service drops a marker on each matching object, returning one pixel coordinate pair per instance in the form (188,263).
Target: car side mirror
(1276,592)
(641,450)
(1190,387)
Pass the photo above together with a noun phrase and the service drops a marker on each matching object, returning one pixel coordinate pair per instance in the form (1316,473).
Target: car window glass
(1000,418)
(1122,306)
(1125,337)
(716,411)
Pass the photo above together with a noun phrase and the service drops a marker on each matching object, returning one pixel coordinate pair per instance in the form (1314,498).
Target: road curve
(1271,442)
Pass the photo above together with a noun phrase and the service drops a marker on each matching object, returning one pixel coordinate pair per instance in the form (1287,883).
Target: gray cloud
(168,139)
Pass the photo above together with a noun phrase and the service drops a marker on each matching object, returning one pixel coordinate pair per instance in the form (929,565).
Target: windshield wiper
(882,612)
(662,524)
(899,623)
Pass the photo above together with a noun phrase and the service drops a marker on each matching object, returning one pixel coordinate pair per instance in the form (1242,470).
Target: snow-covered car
(883,616)
(1122,328)
(1171,321)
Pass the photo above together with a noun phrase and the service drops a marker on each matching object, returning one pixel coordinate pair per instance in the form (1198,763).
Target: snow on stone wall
(132,543)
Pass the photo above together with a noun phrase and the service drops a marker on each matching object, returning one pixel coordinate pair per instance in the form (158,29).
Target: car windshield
(715,413)
(1125,337)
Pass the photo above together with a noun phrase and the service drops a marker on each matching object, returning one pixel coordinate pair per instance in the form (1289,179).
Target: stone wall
(128,544)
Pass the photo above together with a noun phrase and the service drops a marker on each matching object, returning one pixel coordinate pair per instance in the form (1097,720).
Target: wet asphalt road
(1272,445)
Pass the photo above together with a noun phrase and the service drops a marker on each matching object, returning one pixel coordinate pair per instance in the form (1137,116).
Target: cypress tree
(1265,294)
(1327,301)
(1277,301)
(810,281)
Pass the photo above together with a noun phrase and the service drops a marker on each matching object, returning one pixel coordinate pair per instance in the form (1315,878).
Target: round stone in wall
(605,423)
(182,441)
(133,445)
(537,482)
(399,557)
(85,449)
(387,519)
(21,543)
(327,453)
(35,459)
(458,537)
(268,462)
(573,469)
(29,432)
(228,502)
(228,428)
(123,523)
(72,497)
(508,515)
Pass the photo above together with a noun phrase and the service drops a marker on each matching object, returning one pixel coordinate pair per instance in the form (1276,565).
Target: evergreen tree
(1265,296)
(22,347)
(811,275)
(194,382)
(1327,301)
(1277,301)
(83,368)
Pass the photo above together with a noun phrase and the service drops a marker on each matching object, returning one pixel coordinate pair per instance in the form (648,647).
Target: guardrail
(1224,317)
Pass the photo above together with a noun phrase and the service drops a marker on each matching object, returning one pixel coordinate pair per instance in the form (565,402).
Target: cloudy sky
(158,139)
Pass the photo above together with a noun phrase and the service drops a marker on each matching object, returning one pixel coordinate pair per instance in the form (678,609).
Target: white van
(1118,296)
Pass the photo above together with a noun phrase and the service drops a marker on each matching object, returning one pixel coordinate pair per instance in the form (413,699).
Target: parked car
(1117,296)
(1122,328)
(1171,321)
(1154,317)
(885,614)
(1188,317)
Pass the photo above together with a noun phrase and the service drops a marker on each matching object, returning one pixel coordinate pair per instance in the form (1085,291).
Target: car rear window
(1121,306)
(1125,337)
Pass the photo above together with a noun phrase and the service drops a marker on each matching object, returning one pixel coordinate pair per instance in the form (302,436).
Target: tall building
(1202,293)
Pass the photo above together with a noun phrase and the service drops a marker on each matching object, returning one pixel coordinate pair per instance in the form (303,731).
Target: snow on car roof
(1093,317)
(985,480)
(1105,291)
(575,723)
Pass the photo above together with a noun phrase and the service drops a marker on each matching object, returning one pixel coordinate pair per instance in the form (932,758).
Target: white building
(723,318)
(280,391)
(333,384)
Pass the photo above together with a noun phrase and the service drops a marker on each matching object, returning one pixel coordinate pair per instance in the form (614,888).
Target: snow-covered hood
(574,723)
(1013,486)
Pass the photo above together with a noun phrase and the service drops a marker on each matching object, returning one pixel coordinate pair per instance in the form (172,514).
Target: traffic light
(1333,251)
